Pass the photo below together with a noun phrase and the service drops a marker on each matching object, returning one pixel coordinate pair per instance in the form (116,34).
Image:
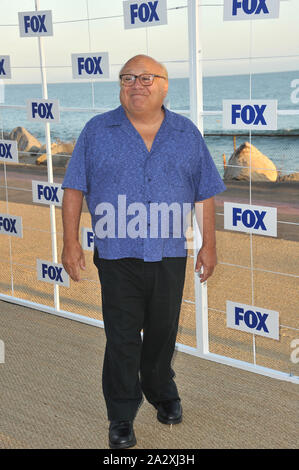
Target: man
(147,155)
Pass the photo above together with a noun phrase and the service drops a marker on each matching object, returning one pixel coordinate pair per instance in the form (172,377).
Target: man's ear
(165,90)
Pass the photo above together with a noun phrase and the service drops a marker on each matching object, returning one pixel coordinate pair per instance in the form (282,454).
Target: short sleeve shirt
(138,199)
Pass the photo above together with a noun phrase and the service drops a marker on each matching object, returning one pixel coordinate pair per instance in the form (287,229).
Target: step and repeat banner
(253,296)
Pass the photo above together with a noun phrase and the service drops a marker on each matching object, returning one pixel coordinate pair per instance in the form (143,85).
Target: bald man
(134,158)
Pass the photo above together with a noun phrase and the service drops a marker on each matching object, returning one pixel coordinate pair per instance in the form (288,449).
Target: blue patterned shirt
(112,166)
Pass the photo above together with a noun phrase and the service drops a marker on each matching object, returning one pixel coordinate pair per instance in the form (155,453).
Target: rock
(5,136)
(290,177)
(262,168)
(26,141)
(34,150)
(60,152)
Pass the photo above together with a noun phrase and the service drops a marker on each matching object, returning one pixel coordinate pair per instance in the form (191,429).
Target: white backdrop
(254,290)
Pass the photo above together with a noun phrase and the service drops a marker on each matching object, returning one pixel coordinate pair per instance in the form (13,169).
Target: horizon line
(171,78)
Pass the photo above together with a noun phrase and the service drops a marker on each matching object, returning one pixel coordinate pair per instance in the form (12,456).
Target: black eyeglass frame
(152,75)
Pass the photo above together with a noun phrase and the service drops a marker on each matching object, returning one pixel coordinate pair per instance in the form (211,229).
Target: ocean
(281,146)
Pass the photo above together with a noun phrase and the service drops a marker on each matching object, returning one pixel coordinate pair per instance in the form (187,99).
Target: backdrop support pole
(196,109)
(49,160)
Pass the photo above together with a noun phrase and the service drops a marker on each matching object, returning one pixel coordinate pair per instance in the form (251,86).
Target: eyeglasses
(146,79)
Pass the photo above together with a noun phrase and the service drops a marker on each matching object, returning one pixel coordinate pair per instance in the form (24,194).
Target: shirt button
(149,179)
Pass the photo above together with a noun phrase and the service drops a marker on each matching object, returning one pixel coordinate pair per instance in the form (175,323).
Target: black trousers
(136,296)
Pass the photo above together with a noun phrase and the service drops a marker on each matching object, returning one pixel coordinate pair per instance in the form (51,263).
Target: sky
(228,47)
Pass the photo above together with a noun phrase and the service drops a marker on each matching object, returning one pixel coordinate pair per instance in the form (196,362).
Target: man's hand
(207,259)
(73,259)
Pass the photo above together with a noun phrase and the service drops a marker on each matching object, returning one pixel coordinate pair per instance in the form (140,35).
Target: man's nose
(137,83)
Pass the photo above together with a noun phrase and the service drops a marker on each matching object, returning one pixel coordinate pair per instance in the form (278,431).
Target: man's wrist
(70,240)
(209,245)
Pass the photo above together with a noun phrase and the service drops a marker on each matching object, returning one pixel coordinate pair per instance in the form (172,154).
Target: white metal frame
(49,158)
(201,303)
(196,114)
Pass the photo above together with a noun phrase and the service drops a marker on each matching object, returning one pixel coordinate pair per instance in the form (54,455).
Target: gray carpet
(51,395)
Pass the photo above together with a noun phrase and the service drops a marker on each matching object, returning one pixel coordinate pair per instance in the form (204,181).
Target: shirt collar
(117,117)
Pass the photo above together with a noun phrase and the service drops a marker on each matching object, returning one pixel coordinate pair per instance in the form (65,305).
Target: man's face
(139,98)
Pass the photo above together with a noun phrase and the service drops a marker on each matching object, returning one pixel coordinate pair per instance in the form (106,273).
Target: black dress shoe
(121,435)
(169,412)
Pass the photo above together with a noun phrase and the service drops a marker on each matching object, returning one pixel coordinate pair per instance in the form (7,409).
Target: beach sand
(232,280)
